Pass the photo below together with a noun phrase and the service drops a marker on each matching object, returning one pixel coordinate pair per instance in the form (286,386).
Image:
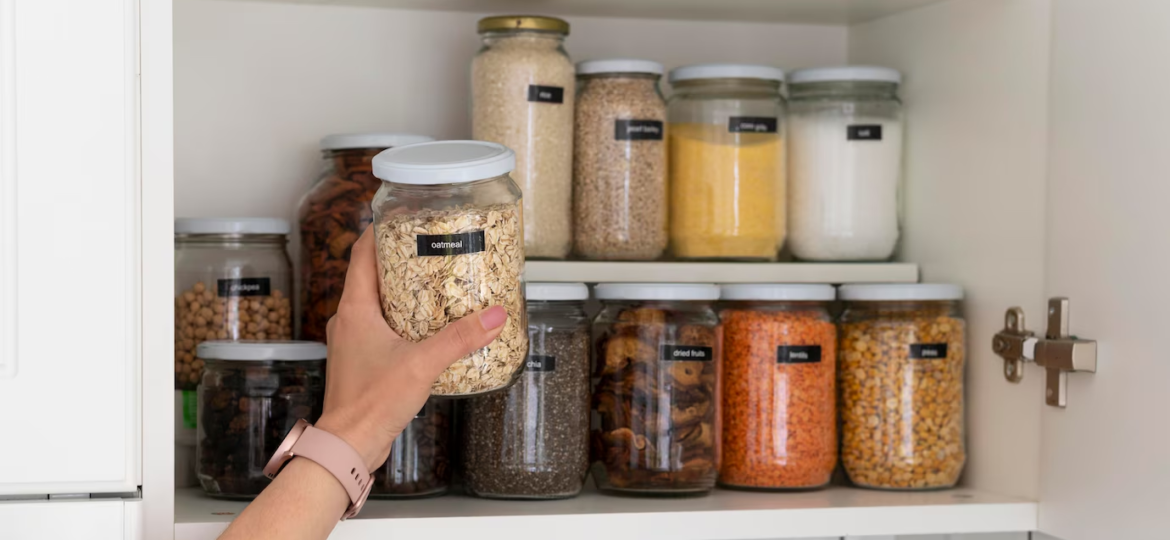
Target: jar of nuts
(901,355)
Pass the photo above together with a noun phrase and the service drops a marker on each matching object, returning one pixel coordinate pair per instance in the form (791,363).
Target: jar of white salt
(845,163)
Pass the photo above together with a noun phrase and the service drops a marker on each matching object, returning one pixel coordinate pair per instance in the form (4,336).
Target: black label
(637,130)
(424,411)
(864,132)
(441,245)
(798,354)
(685,353)
(751,124)
(546,94)
(928,351)
(249,286)
(536,362)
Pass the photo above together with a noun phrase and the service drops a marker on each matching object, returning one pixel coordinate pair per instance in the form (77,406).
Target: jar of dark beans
(251,395)
(532,440)
(419,464)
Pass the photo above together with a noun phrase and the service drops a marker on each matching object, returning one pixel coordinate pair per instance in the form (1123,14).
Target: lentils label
(537,362)
(798,354)
(546,94)
(244,287)
(685,353)
(864,132)
(928,351)
(752,124)
(443,245)
(637,130)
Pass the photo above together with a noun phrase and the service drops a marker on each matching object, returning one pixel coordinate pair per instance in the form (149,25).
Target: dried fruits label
(443,245)
(752,124)
(546,94)
(798,354)
(685,353)
(261,286)
(538,362)
(637,130)
(864,132)
(928,351)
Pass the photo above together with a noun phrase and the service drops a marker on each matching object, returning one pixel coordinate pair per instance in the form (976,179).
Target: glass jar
(532,441)
(332,216)
(522,86)
(902,352)
(251,395)
(727,171)
(447,224)
(420,462)
(619,165)
(656,396)
(846,155)
(779,382)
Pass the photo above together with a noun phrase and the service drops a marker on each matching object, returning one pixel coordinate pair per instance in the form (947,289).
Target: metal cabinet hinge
(1057,352)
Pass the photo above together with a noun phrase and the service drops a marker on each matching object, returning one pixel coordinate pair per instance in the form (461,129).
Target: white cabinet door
(69,236)
(73,520)
(1105,465)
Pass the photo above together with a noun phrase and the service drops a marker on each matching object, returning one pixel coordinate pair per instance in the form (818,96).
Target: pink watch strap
(337,457)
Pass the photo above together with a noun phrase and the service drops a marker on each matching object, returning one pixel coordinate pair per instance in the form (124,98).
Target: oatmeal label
(928,351)
(537,362)
(637,130)
(685,353)
(798,354)
(752,124)
(444,245)
(546,94)
(864,132)
(250,286)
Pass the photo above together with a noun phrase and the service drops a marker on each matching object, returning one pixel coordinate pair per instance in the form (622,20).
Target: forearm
(304,502)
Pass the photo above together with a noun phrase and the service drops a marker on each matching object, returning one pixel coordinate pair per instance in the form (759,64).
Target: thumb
(461,338)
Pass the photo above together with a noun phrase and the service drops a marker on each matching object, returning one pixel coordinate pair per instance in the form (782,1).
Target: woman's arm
(375,383)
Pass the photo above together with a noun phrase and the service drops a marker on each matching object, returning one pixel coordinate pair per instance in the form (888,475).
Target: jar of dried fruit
(420,462)
(656,391)
(779,378)
(901,378)
(332,215)
(448,228)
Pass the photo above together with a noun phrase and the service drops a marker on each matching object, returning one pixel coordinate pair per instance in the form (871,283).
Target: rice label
(536,362)
(443,245)
(685,353)
(928,351)
(637,130)
(244,287)
(798,354)
(752,124)
(546,94)
(864,132)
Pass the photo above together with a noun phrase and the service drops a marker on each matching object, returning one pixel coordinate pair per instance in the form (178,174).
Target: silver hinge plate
(1059,353)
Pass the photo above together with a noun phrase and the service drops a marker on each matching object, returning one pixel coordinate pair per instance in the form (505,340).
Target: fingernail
(493,317)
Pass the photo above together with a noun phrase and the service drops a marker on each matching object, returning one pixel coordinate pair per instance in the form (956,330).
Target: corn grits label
(752,124)
(928,351)
(798,354)
(538,362)
(637,130)
(685,353)
(442,245)
(546,94)
(244,287)
(864,132)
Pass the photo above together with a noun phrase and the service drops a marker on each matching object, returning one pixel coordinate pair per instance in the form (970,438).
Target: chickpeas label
(244,287)
(687,353)
(637,130)
(752,124)
(546,94)
(798,354)
(928,351)
(537,362)
(443,245)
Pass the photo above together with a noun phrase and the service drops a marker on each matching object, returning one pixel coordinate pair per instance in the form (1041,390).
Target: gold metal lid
(523,22)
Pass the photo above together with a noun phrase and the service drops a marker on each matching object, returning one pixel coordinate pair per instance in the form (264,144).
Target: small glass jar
(420,462)
(656,393)
(447,224)
(522,86)
(332,215)
(619,165)
(779,381)
(251,395)
(727,170)
(845,139)
(532,441)
(902,352)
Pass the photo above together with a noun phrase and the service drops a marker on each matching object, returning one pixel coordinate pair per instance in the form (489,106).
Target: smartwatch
(330,452)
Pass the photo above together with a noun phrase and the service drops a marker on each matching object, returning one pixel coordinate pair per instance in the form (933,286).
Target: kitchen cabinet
(1033,153)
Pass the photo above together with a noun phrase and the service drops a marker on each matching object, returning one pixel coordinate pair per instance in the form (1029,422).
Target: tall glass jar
(727,170)
(619,165)
(779,383)
(420,458)
(532,441)
(332,216)
(449,242)
(522,94)
(901,377)
(845,138)
(656,395)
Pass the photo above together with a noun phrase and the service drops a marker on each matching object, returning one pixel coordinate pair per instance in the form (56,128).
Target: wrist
(366,440)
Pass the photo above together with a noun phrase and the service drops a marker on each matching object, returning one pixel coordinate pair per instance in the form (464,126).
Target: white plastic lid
(619,65)
(726,71)
(901,291)
(444,162)
(845,73)
(232,226)
(261,350)
(778,291)
(656,291)
(556,291)
(341,141)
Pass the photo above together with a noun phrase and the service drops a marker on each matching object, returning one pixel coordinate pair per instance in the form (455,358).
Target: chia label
(637,130)
(260,286)
(685,353)
(546,94)
(537,362)
(752,124)
(443,245)
(864,132)
(798,354)
(928,351)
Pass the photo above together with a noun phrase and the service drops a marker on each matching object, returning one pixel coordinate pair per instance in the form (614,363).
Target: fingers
(361,280)
(461,338)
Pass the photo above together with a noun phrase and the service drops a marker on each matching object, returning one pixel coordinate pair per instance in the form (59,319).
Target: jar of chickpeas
(901,355)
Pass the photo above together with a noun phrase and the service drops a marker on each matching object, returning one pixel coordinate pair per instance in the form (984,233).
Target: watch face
(283,453)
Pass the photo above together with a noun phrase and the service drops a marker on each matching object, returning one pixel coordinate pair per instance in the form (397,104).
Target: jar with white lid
(251,395)
(419,464)
(845,141)
(450,242)
(727,174)
(656,393)
(902,353)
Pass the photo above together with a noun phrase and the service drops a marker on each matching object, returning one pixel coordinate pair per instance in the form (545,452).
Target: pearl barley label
(686,353)
(443,245)
(637,130)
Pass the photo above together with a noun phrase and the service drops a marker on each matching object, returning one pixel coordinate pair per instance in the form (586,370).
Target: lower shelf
(592,516)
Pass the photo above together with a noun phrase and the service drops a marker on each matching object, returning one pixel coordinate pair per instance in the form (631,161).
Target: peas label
(637,130)
(685,353)
(798,354)
(443,245)
(864,132)
(752,124)
(546,94)
(538,362)
(928,351)
(244,287)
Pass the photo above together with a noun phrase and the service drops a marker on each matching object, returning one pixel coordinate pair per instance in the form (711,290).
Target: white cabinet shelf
(724,514)
(702,272)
